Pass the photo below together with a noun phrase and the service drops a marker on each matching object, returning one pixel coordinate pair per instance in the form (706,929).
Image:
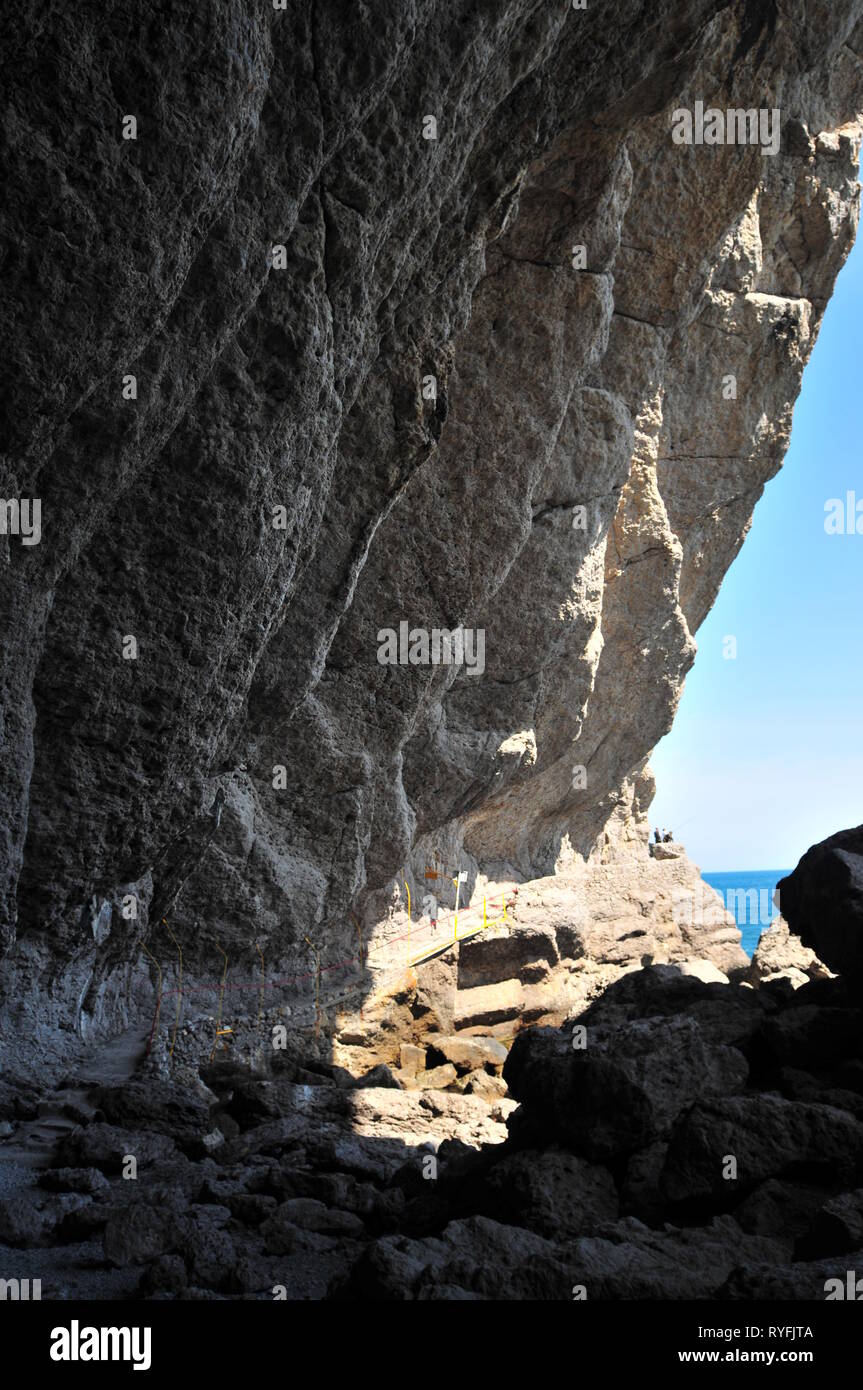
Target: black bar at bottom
(245,1342)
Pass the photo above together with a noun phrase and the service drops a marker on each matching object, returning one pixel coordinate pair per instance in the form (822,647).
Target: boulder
(661,989)
(780,1208)
(85,1222)
(666,850)
(281,1236)
(703,970)
(625,1088)
(790,976)
(726,1014)
(251,1208)
(165,1107)
(254,1098)
(88,1180)
(634,1262)
(768,1136)
(312,1215)
(805,1281)
(436,992)
(436,1079)
(551,1192)
(812,1035)
(822,900)
(468,1053)
(835,1229)
(316,1275)
(733,1018)
(795,1084)
(569,935)
(166,1275)
(345,1192)
(484,1258)
(178,1173)
(640,1194)
(412,1058)
(32,1218)
(489,960)
(142,1231)
(19,1100)
(208,1250)
(781,953)
(381,1075)
(487,1088)
(104,1147)
(488,1004)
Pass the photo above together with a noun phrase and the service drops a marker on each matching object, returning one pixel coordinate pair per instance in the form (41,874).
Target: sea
(748,895)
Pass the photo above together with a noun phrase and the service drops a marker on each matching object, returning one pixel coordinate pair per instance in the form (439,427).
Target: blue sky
(766,754)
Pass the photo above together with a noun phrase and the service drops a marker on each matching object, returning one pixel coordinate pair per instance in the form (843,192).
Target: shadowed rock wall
(295,381)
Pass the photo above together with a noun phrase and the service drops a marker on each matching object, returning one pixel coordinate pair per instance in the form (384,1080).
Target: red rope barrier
(310,974)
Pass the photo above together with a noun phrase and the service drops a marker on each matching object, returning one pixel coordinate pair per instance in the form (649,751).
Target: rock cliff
(400,314)
(391,386)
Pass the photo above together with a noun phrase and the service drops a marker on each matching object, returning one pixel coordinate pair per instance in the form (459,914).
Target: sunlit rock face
(527,378)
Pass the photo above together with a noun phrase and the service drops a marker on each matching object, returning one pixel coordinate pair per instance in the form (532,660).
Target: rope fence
(440,944)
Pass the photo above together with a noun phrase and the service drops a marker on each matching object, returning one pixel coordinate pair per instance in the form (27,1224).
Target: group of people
(665,838)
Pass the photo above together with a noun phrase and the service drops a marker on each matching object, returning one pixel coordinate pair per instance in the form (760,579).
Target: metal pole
(221,999)
(407,891)
(458,881)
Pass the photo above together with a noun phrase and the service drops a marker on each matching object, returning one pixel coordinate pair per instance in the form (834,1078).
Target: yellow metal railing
(486,922)
(219,1029)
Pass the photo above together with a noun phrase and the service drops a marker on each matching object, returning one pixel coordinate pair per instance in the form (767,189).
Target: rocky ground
(677,1137)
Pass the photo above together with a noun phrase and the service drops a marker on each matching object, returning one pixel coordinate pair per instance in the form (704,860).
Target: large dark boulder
(141,1231)
(630,1261)
(625,1088)
(556,1194)
(29,1219)
(157,1107)
(822,900)
(105,1147)
(768,1137)
(810,1036)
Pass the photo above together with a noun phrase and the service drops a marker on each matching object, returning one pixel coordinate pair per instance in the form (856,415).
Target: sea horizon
(748,895)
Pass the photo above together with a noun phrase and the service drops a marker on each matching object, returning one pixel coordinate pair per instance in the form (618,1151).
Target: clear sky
(766,754)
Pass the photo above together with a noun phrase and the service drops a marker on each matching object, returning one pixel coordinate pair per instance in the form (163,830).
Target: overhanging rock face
(527,378)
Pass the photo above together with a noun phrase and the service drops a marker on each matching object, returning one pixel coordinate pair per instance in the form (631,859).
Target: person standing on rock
(656,835)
